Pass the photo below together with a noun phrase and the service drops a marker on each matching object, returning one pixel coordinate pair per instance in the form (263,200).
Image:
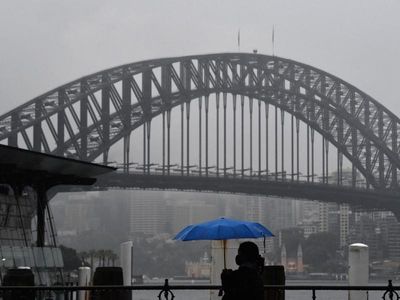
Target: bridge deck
(367,198)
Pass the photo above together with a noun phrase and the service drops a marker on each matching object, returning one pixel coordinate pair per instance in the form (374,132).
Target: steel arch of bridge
(360,128)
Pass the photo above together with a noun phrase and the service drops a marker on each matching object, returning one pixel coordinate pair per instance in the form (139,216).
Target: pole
(206,108)
(224,107)
(200,111)
(182,136)
(169,140)
(217,104)
(276,143)
(234,135)
(266,139)
(224,243)
(242,132)
(187,137)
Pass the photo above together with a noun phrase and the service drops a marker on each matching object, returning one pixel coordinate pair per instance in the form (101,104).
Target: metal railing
(167,291)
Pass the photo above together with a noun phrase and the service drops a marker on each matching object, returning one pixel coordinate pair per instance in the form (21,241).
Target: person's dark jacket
(244,283)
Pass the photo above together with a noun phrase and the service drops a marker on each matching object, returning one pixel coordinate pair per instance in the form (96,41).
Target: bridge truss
(86,117)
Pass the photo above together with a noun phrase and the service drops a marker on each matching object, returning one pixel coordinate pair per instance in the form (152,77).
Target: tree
(92,254)
(84,256)
(113,258)
(101,254)
(320,252)
(110,256)
(158,257)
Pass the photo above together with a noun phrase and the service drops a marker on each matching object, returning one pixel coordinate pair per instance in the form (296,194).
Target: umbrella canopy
(223,229)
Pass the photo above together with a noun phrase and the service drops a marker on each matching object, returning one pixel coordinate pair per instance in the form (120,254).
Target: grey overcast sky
(46,43)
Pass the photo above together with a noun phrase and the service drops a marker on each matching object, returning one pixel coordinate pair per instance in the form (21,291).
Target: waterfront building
(184,212)
(307,217)
(323,217)
(279,214)
(308,228)
(199,269)
(147,213)
(255,209)
(393,232)
(92,220)
(76,212)
(380,231)
(344,220)
(307,211)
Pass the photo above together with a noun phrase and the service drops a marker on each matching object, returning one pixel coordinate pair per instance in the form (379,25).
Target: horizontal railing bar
(195,287)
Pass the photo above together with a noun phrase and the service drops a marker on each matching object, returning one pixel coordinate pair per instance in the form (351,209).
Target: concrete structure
(358,269)
(84,279)
(126,261)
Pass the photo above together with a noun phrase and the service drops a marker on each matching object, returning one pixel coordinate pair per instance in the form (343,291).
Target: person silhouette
(245,282)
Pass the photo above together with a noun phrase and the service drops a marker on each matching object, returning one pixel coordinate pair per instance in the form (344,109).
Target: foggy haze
(48,43)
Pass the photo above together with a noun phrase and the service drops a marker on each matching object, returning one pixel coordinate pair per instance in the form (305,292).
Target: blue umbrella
(223,229)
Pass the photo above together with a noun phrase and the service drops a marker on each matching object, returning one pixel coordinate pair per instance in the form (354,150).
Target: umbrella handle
(224,245)
(264,246)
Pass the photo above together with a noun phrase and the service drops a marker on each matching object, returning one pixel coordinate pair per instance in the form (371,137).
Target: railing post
(313,294)
(391,292)
(274,275)
(166,292)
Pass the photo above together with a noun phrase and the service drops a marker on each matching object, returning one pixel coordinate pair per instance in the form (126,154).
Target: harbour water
(290,295)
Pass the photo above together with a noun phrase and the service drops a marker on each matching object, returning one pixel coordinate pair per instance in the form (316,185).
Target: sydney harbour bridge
(226,122)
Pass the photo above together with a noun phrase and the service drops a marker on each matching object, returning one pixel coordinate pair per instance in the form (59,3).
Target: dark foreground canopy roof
(20,166)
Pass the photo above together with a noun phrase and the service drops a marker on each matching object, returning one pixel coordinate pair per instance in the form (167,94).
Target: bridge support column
(168,140)
(266,140)
(148,145)
(105,117)
(200,135)
(206,103)
(127,141)
(163,143)
(217,133)
(126,112)
(234,134)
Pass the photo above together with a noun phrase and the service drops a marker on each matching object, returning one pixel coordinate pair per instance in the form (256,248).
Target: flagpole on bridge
(273,40)
(238,40)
